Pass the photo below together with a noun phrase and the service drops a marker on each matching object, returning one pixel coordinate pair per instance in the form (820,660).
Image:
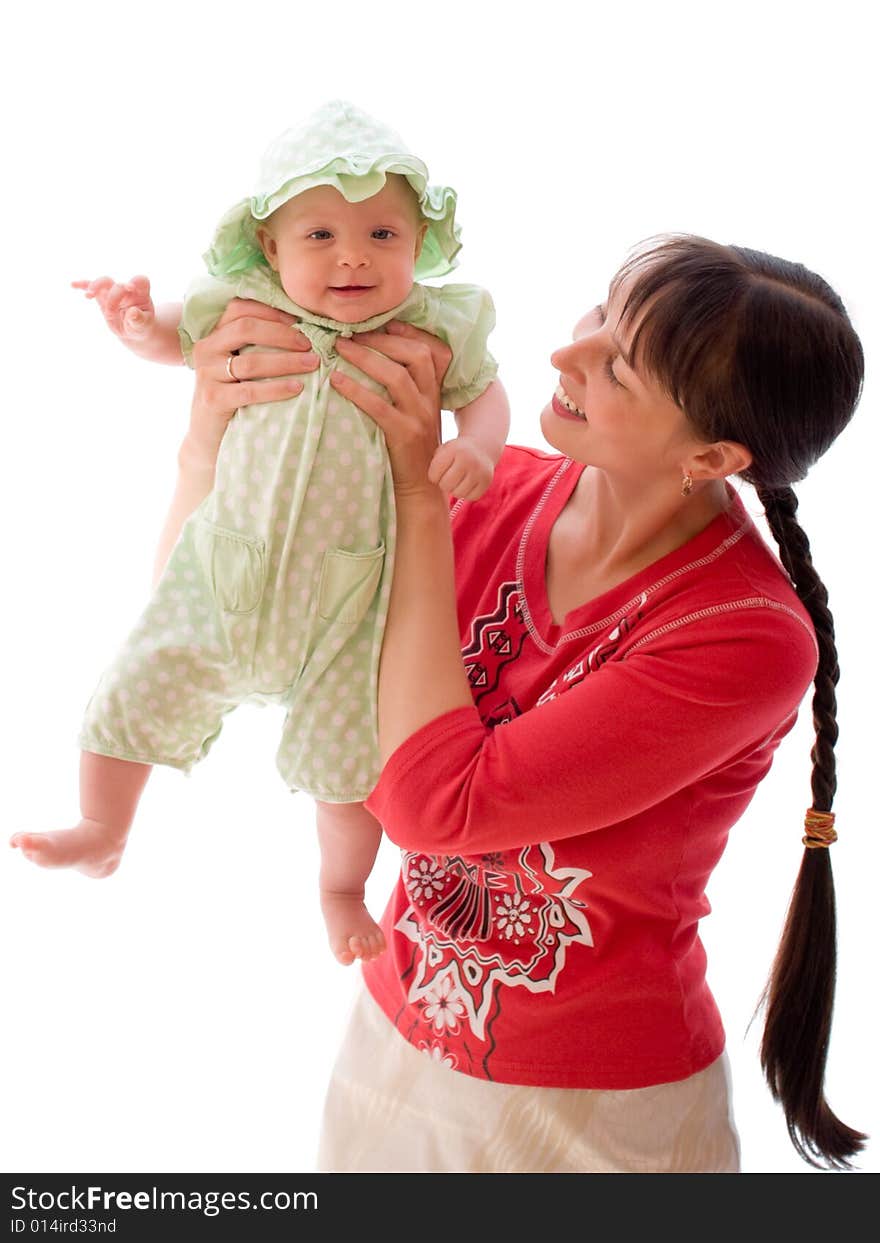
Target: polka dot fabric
(278,588)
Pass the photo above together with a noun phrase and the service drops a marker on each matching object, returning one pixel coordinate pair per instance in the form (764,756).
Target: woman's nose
(564,358)
(577,357)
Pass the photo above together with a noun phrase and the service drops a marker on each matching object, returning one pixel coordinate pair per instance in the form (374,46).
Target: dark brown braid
(780,510)
(760,351)
(799,997)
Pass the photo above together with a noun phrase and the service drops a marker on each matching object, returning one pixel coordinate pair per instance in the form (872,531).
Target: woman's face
(610,415)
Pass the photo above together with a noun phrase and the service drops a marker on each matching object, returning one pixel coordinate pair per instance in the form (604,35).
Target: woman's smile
(565,407)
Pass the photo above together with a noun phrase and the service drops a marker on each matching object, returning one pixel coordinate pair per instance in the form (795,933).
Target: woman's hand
(227,379)
(410,364)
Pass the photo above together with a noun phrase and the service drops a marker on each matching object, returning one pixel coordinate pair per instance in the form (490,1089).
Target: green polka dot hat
(340,146)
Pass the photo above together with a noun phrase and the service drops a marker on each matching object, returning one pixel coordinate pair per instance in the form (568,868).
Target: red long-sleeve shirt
(557,837)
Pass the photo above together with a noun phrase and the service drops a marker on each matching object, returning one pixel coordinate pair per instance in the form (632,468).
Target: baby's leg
(349,839)
(109,790)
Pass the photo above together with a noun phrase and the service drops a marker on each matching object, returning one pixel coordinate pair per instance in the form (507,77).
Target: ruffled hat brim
(357,175)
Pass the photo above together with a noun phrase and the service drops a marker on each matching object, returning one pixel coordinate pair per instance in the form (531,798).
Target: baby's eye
(382,235)
(320,235)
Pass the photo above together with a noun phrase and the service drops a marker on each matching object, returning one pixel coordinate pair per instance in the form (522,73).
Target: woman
(573,716)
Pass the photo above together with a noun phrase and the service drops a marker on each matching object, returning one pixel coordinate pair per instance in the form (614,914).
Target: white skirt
(393,1109)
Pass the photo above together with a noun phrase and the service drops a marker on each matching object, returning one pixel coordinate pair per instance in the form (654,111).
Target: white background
(184,1014)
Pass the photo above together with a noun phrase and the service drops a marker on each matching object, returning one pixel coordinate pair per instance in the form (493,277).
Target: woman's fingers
(222,395)
(226,380)
(441,354)
(255,377)
(254,330)
(261,365)
(245,322)
(406,368)
(410,416)
(372,403)
(227,397)
(237,308)
(408,345)
(210,356)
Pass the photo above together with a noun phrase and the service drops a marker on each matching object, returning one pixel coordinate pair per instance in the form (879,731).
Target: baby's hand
(128,309)
(461,468)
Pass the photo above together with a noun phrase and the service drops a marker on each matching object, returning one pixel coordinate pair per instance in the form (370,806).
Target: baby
(277,588)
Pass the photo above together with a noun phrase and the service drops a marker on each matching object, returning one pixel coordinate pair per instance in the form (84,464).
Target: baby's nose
(353,257)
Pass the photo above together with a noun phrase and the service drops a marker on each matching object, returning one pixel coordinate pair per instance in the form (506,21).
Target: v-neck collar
(604,610)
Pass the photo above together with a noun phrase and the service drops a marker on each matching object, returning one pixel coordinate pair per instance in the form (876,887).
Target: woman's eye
(382,235)
(320,235)
(609,371)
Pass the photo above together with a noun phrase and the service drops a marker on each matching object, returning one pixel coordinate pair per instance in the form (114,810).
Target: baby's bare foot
(92,848)
(352,931)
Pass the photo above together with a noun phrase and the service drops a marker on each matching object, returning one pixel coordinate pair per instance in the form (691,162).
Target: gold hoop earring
(687,485)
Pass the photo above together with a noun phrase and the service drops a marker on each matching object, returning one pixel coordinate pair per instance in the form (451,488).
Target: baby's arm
(463,467)
(148,331)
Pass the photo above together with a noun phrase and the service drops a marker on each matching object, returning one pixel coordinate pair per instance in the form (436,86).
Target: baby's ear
(269,246)
(420,238)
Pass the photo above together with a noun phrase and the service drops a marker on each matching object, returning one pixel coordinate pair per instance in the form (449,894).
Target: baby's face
(346,261)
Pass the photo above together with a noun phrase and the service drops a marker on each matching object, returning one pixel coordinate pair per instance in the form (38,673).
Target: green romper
(277,590)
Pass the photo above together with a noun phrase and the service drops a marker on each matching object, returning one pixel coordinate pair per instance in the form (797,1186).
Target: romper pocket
(235,566)
(348,584)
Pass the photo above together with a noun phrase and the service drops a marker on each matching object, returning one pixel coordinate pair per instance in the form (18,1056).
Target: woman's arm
(625,738)
(421,673)
(193,484)
(710,699)
(262,375)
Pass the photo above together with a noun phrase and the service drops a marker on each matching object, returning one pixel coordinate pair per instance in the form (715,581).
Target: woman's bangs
(679,291)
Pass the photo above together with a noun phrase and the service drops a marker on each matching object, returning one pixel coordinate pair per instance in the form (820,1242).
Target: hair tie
(820,829)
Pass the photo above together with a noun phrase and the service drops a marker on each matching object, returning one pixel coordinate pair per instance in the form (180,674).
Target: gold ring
(229,370)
